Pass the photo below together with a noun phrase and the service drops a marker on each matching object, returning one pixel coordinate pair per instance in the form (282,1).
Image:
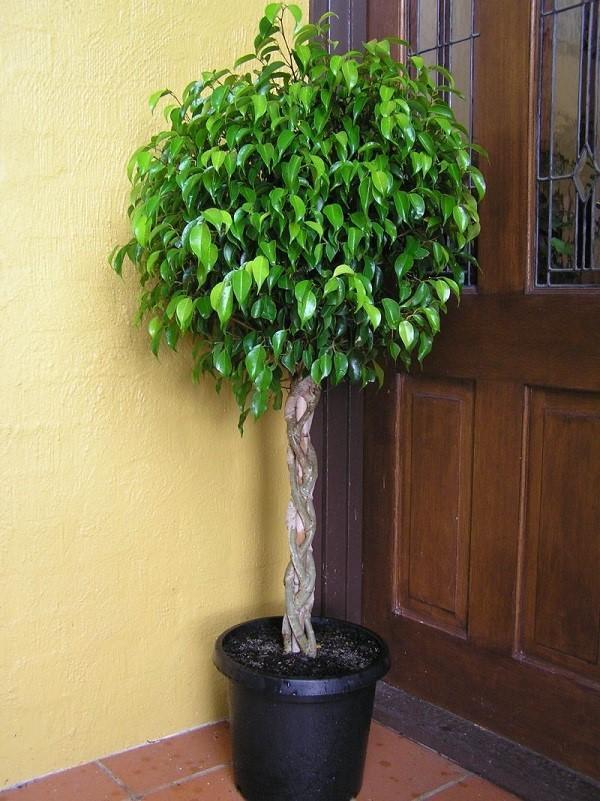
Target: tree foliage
(308,216)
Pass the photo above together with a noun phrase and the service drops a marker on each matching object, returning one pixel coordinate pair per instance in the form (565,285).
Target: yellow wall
(135,524)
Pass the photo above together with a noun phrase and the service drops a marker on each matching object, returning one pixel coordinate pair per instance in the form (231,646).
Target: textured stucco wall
(135,524)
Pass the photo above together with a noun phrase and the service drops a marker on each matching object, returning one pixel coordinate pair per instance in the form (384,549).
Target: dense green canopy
(310,216)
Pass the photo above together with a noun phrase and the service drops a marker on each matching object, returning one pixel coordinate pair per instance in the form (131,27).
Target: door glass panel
(444,32)
(568,157)
(460,64)
(462,19)
(427,35)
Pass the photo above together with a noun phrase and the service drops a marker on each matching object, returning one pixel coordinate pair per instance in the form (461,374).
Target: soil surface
(341,650)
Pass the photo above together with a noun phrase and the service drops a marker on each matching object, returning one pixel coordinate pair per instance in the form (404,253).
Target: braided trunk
(298,634)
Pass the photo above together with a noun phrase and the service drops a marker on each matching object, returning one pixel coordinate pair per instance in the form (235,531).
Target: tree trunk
(300,575)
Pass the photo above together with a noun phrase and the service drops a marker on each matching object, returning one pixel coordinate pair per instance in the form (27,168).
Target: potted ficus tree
(307,219)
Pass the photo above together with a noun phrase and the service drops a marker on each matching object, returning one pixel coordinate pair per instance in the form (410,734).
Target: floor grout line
(116,779)
(133,796)
(432,793)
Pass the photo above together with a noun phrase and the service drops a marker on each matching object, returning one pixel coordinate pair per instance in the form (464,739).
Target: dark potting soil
(340,650)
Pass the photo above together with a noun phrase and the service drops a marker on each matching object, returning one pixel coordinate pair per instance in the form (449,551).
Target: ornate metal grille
(444,32)
(568,151)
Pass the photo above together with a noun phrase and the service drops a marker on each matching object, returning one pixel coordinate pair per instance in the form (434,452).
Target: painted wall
(135,524)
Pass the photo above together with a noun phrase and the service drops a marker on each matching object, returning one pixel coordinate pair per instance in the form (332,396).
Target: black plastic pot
(299,739)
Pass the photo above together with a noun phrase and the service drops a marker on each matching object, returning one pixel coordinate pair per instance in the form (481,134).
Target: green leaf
(463,160)
(306,300)
(461,218)
(221,299)
(402,204)
(200,242)
(258,404)
(403,264)
(255,361)
(141,228)
(361,293)
(222,361)
(241,283)
(382,181)
(440,254)
(203,306)
(264,308)
(156,96)
(425,344)
(315,226)
(260,106)
(335,63)
(343,269)
(391,309)
(184,311)
(354,368)
(417,203)
(350,73)
(454,287)
(446,205)
(373,314)
(217,158)
(270,250)
(333,285)
(321,368)
(244,60)
(394,350)
(218,217)
(407,333)
(284,140)
(264,379)
(354,237)
(433,318)
(442,289)
(303,54)
(299,206)
(478,181)
(387,127)
(296,12)
(155,326)
(340,366)
(278,340)
(271,11)
(170,312)
(334,214)
(244,153)
(260,270)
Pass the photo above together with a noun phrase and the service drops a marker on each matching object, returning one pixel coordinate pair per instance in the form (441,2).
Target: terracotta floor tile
(216,785)
(400,770)
(154,765)
(474,789)
(397,770)
(86,783)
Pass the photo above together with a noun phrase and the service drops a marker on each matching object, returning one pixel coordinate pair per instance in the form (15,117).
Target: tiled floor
(196,767)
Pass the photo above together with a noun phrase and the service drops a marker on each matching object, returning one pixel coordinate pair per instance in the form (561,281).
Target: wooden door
(482,472)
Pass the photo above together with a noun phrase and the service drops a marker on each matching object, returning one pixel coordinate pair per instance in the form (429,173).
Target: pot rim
(301,688)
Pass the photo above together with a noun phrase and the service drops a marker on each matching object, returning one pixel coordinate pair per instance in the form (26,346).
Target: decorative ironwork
(568,150)
(444,32)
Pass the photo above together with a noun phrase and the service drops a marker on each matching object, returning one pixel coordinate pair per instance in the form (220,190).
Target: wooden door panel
(496,516)
(489,676)
(562,550)
(432,540)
